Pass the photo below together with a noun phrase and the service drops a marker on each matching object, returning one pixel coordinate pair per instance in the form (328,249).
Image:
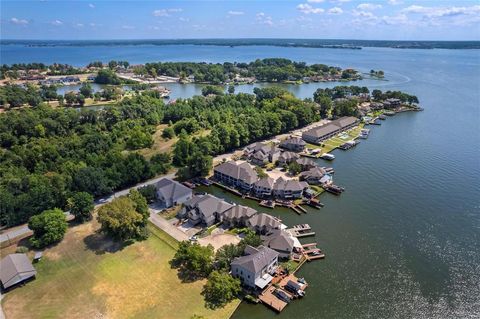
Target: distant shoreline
(304,43)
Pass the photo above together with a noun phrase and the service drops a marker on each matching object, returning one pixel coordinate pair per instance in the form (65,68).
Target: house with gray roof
(288,189)
(261,154)
(15,269)
(305,163)
(205,209)
(241,175)
(294,144)
(171,193)
(263,223)
(320,133)
(256,268)
(313,176)
(264,187)
(237,216)
(287,158)
(282,242)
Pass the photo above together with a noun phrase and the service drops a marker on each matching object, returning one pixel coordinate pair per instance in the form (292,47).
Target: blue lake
(403,241)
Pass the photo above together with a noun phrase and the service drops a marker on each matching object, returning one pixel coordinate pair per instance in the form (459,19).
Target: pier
(301,230)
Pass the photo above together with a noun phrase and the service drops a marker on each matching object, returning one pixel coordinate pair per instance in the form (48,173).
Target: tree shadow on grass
(100,243)
(184,274)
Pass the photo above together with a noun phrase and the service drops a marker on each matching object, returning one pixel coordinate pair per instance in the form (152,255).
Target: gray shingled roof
(208,204)
(304,161)
(288,156)
(266,182)
(263,219)
(333,126)
(258,258)
(289,185)
(294,141)
(239,211)
(279,240)
(317,172)
(241,171)
(171,189)
(14,269)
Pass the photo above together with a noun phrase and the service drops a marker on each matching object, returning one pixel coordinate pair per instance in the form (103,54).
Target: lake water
(403,241)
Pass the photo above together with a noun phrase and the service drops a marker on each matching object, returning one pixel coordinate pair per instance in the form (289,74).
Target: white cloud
(395,20)
(437,12)
(395,2)
(183,19)
(315,1)
(91,5)
(128,27)
(368,6)
(335,10)
(235,13)
(363,14)
(165,12)
(339,1)
(18,21)
(308,9)
(56,23)
(262,18)
(79,25)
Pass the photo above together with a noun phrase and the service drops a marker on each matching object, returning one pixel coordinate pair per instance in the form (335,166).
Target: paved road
(10,236)
(164,225)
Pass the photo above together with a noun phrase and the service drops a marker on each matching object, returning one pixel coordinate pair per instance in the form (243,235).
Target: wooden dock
(301,230)
(268,298)
(311,252)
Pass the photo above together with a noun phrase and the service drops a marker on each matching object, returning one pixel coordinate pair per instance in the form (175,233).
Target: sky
(320,19)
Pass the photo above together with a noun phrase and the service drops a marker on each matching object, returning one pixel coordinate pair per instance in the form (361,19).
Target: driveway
(164,225)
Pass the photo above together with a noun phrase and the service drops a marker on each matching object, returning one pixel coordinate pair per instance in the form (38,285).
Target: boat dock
(301,230)
(311,252)
(267,203)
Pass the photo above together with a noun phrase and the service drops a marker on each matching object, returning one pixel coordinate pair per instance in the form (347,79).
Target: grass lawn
(88,276)
(334,142)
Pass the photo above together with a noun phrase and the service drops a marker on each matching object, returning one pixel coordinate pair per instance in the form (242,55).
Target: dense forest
(47,155)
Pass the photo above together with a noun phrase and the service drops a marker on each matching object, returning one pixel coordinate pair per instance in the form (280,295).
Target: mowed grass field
(89,276)
(334,142)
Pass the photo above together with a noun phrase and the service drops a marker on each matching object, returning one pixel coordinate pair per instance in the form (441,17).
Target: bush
(21,250)
(168,133)
(48,227)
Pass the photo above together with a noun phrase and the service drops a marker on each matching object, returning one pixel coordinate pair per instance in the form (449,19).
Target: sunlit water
(403,241)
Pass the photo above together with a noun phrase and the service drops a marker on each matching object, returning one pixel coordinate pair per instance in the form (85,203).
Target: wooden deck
(269,299)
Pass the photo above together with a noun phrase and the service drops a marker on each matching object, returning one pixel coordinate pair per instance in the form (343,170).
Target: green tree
(250,239)
(211,89)
(107,76)
(86,89)
(140,202)
(81,206)
(149,192)
(220,289)
(48,227)
(231,89)
(168,133)
(226,254)
(120,220)
(193,259)
(294,168)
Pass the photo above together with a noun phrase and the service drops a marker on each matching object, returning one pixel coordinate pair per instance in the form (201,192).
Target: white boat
(328,156)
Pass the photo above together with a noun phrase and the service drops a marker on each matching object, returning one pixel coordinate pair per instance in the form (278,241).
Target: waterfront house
(318,134)
(16,269)
(391,103)
(294,144)
(237,216)
(205,209)
(256,268)
(231,173)
(305,163)
(286,158)
(288,189)
(313,176)
(171,193)
(263,223)
(264,187)
(261,154)
(282,242)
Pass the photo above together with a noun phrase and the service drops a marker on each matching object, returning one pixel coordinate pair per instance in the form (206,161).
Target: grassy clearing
(89,276)
(334,142)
